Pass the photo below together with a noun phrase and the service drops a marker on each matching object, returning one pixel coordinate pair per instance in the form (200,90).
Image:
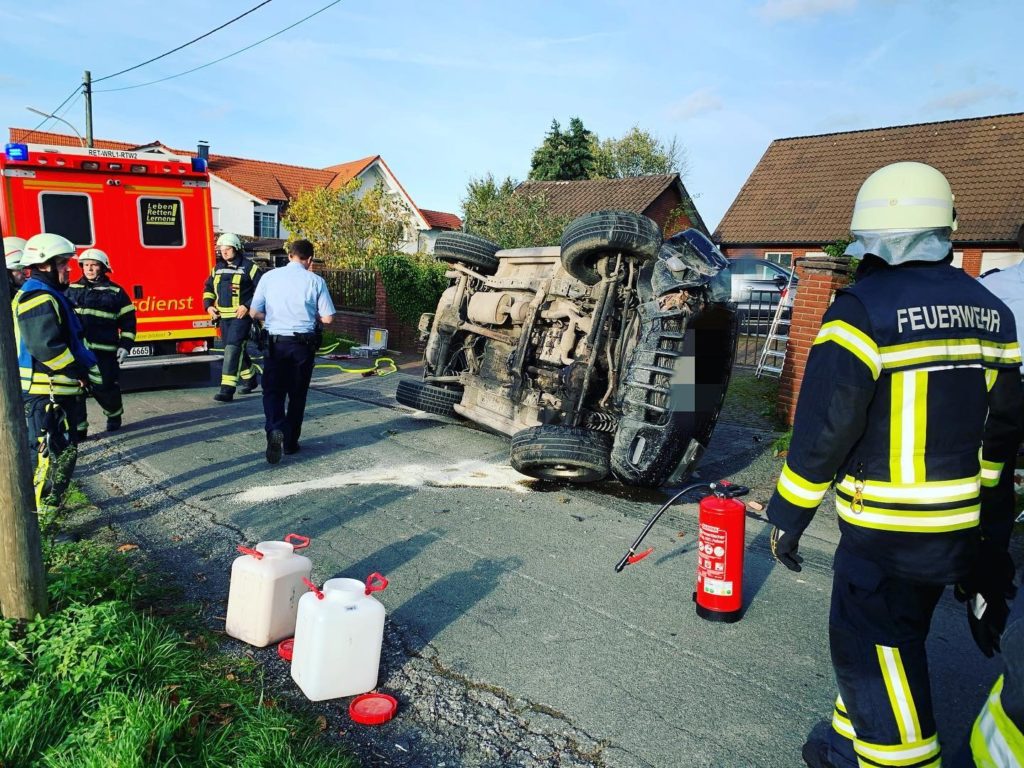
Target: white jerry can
(266,584)
(338,637)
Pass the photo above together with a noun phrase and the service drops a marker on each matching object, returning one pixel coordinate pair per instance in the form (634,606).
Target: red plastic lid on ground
(372,708)
(284,648)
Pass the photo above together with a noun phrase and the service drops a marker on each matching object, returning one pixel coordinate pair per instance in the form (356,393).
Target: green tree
(346,229)
(495,211)
(638,153)
(564,156)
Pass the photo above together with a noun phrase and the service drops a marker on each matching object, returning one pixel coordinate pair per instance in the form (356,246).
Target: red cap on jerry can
(284,648)
(372,708)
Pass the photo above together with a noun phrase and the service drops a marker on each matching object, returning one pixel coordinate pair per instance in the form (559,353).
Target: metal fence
(755,318)
(352,290)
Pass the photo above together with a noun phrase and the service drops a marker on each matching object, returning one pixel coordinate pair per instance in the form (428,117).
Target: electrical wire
(183,45)
(78,90)
(222,58)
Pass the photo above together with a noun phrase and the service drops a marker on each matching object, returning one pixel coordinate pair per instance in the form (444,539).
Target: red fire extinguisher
(720,544)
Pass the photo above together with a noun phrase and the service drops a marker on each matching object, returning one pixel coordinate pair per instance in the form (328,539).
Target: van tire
(557,453)
(596,235)
(426,397)
(464,248)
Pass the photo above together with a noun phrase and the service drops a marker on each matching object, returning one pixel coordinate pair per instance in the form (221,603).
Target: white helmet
(230,239)
(94,254)
(14,248)
(40,249)
(904,196)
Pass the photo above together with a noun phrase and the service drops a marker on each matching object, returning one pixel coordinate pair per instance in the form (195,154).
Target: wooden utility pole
(22,576)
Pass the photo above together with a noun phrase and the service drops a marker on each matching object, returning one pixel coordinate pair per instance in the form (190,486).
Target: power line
(78,90)
(183,45)
(223,58)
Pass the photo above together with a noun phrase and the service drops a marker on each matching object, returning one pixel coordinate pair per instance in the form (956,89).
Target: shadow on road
(449,599)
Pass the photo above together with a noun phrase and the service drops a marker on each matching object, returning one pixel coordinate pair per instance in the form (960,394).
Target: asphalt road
(510,641)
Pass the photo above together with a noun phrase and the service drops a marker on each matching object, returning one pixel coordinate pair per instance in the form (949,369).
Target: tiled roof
(269,181)
(345,172)
(441,220)
(64,140)
(574,198)
(803,189)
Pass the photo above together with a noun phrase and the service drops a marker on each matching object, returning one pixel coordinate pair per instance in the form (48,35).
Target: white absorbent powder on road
(466,474)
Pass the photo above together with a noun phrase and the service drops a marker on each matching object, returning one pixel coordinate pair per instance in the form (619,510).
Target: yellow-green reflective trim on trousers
(799,490)
(996,741)
(900,697)
(854,341)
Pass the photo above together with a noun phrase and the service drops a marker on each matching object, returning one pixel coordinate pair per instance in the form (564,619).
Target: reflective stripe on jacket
(106,313)
(51,353)
(230,286)
(909,404)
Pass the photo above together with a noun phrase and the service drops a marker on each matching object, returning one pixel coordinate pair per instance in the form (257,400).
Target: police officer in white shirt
(290,300)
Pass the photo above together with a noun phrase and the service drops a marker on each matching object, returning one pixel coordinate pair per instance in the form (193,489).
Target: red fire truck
(150,212)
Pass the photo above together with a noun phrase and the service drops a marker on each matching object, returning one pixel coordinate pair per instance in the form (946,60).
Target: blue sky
(452,90)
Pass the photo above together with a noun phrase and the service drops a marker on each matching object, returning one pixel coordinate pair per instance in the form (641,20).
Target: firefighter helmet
(14,248)
(94,254)
(904,196)
(231,240)
(40,249)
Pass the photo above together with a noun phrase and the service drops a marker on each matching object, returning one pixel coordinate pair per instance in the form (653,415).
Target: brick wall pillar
(820,278)
(972,260)
(401,337)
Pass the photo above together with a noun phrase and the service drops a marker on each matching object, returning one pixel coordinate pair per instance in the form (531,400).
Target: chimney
(203,150)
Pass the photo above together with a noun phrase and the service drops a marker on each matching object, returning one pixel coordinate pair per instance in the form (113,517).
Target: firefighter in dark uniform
(108,317)
(910,399)
(56,366)
(226,298)
(14,247)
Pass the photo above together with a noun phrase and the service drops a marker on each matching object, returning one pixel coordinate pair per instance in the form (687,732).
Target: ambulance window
(68,214)
(160,222)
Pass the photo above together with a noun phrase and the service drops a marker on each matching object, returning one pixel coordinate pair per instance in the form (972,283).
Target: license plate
(140,352)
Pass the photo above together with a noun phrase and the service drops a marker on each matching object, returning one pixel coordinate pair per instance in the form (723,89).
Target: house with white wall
(248,196)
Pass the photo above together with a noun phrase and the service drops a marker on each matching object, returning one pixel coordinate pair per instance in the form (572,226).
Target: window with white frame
(782,258)
(264,224)
(216,220)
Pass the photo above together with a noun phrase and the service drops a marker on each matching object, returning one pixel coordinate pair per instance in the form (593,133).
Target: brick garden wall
(401,337)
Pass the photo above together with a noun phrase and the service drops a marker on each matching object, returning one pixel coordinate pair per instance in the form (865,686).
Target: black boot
(113,423)
(275,442)
(815,753)
(249,385)
(226,395)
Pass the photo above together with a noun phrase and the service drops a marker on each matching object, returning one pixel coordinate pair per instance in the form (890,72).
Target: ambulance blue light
(16,151)
(198,165)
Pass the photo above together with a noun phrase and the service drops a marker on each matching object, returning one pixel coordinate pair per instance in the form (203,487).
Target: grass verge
(119,675)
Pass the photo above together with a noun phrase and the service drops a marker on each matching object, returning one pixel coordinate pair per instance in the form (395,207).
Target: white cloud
(969,97)
(700,102)
(780,10)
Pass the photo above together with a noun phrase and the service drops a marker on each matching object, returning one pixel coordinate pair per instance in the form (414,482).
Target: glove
(122,355)
(784,549)
(986,591)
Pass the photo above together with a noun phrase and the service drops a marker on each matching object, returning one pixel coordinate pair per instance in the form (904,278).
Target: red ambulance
(151,213)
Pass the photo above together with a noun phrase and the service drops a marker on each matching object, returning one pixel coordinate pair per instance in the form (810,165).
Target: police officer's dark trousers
(287,370)
(237,364)
(877,629)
